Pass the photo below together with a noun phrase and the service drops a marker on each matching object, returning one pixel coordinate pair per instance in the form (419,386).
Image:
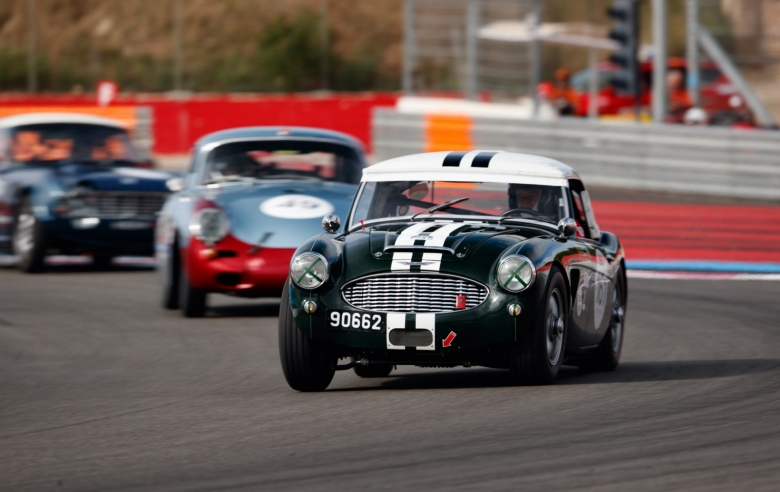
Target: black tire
(191,299)
(305,365)
(29,239)
(171,278)
(532,362)
(373,370)
(607,356)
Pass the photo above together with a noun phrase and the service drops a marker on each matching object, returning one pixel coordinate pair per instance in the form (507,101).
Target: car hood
(423,237)
(114,178)
(402,247)
(284,214)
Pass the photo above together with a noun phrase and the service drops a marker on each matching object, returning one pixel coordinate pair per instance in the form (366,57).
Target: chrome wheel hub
(23,235)
(555,327)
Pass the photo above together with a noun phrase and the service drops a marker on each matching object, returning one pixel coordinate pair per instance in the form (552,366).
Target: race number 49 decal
(348,320)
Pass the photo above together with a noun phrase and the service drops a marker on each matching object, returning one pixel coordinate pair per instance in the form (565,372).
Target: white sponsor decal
(600,289)
(296,207)
(581,292)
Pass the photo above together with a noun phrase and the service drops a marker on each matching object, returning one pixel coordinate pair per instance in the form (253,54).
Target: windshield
(283,159)
(54,142)
(389,199)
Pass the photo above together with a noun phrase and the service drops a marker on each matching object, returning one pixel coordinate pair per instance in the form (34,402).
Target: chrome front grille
(118,204)
(406,293)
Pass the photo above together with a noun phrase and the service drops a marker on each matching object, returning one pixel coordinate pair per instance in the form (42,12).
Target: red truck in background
(720,99)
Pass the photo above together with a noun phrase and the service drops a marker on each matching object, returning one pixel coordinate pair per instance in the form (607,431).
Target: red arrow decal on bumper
(448,341)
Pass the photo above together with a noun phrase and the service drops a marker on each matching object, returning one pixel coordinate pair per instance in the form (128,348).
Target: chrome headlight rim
(321,259)
(514,273)
(196,226)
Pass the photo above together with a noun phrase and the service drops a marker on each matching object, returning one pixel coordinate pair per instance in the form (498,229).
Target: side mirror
(331,223)
(567,227)
(175,184)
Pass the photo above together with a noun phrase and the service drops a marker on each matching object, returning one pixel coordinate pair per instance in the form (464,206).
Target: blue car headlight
(516,273)
(309,270)
(209,225)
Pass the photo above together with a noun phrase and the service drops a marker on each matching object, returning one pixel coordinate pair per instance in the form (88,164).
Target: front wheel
(191,299)
(29,239)
(171,278)
(305,364)
(537,358)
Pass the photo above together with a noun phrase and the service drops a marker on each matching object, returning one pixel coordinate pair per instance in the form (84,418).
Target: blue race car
(74,183)
(251,197)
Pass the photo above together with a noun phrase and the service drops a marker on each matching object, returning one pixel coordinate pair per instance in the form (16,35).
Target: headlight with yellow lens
(309,270)
(516,273)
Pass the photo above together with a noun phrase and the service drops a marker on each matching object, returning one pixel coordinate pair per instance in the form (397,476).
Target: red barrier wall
(179,122)
(674,231)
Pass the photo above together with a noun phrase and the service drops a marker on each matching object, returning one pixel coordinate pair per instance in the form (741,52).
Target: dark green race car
(457,259)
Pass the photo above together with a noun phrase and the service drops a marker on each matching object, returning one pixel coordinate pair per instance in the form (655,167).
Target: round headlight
(309,270)
(209,225)
(516,273)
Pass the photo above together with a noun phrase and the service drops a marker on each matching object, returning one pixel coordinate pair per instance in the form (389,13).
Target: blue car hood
(291,211)
(114,178)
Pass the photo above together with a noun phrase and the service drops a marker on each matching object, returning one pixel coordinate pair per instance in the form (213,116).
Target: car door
(599,286)
(591,304)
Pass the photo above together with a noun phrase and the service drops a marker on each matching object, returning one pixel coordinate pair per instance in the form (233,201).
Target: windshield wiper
(441,206)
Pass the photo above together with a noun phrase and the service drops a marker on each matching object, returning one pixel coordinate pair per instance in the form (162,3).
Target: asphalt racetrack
(100,389)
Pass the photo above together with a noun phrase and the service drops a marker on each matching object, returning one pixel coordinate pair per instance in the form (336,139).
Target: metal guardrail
(715,161)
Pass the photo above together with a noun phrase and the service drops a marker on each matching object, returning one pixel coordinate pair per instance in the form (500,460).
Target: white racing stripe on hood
(401,259)
(432,261)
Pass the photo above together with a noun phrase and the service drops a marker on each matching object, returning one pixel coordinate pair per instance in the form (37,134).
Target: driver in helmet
(533,198)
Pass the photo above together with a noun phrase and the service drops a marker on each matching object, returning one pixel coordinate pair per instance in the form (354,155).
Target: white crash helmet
(696,116)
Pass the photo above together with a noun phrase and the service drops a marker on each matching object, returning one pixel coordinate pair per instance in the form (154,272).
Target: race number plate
(354,321)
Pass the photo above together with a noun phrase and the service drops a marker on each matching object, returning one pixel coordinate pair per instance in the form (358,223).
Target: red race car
(252,196)
(720,98)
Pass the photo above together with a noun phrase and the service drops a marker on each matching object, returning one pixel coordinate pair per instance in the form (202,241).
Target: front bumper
(118,236)
(477,331)
(234,266)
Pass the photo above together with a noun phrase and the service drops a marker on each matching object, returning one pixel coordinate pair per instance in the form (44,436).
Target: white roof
(477,166)
(38,118)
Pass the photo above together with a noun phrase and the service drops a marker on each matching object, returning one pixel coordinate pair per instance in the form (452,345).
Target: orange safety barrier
(124,115)
(447,133)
